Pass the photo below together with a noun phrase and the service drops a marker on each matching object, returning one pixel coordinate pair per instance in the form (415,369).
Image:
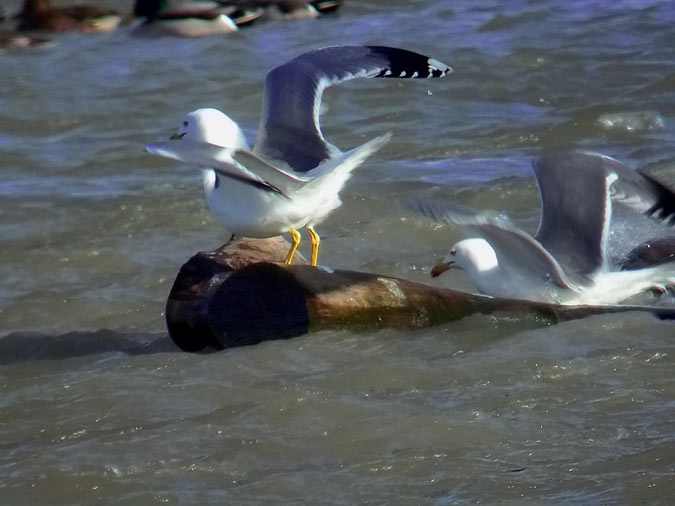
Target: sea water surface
(97,406)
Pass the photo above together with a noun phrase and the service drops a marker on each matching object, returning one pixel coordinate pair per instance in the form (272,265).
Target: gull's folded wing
(236,164)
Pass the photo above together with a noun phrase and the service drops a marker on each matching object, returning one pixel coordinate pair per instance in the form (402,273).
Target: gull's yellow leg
(315,240)
(295,244)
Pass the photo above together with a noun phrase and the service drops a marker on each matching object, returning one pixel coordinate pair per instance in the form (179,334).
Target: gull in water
(566,261)
(293,176)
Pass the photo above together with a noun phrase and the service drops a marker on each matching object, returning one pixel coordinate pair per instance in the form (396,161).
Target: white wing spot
(387,73)
(436,65)
(414,75)
(402,74)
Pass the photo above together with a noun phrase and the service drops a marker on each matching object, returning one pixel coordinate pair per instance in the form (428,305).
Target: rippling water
(98,407)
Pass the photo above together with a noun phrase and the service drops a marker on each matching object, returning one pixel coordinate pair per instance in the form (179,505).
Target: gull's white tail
(614,287)
(336,171)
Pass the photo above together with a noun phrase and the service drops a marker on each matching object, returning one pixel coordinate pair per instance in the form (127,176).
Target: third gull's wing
(575,208)
(577,189)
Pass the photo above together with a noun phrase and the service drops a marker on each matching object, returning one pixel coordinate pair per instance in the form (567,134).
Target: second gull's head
(473,255)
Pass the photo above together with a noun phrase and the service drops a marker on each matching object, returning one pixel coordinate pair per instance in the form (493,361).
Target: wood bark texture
(243,294)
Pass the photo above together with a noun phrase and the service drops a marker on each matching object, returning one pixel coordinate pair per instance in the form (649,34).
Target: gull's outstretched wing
(577,189)
(642,192)
(575,208)
(289,127)
(451,214)
(516,250)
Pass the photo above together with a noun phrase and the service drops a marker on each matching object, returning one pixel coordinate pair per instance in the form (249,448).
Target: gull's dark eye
(453,252)
(185,124)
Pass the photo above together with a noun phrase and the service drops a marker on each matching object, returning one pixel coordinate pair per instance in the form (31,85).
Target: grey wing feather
(646,194)
(577,190)
(259,166)
(289,127)
(221,160)
(575,209)
(639,190)
(452,214)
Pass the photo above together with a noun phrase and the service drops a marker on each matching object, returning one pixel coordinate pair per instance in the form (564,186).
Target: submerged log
(242,294)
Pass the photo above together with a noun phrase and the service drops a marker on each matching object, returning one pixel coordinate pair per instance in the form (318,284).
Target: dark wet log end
(188,308)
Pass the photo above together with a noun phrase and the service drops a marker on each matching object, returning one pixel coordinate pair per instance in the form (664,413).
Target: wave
(27,345)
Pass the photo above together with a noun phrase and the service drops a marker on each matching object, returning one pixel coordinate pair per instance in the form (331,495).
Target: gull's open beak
(176,137)
(441,267)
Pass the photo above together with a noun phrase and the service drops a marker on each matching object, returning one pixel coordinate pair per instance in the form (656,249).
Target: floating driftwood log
(243,294)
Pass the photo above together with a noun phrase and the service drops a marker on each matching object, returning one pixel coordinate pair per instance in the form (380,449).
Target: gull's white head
(473,255)
(212,126)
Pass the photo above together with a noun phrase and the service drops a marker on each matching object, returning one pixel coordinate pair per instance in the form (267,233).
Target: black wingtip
(663,210)
(405,64)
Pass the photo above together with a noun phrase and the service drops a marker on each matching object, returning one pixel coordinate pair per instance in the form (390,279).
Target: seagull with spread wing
(566,262)
(293,176)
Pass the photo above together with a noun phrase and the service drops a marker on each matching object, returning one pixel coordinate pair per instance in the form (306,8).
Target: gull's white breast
(249,211)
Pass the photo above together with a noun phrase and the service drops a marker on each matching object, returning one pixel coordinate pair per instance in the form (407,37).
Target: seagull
(293,176)
(566,262)
(194,18)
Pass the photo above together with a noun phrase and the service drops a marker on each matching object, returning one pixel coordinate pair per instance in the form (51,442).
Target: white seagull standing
(566,262)
(293,176)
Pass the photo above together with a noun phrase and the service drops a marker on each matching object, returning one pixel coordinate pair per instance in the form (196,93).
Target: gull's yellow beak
(441,267)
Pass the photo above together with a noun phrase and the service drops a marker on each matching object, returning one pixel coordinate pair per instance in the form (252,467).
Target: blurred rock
(194,18)
(40,15)
(13,40)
